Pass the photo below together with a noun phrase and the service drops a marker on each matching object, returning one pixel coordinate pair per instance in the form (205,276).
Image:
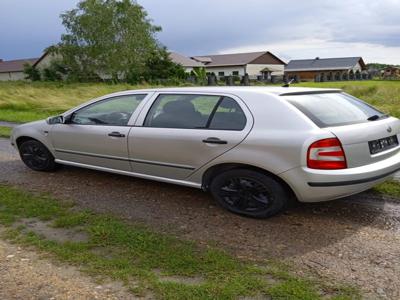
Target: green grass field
(5,132)
(389,188)
(23,101)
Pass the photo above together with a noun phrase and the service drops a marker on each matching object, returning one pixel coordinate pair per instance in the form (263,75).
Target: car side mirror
(55,120)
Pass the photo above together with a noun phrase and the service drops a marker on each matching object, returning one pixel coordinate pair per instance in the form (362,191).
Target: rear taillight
(326,154)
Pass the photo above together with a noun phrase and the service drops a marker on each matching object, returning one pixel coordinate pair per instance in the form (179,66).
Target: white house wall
(357,67)
(12,76)
(227,70)
(46,61)
(255,69)
(188,69)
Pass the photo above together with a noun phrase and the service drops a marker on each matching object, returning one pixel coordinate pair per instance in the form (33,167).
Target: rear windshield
(334,109)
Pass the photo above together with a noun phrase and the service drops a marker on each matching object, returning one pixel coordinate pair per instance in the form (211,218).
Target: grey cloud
(209,26)
(198,26)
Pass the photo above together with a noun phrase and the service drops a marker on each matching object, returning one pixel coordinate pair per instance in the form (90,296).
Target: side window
(114,111)
(228,116)
(181,111)
(196,112)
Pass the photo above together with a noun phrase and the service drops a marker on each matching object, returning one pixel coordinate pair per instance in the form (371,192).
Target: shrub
(31,73)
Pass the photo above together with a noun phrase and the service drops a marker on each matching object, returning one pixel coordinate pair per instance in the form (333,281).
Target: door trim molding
(155,163)
(91,155)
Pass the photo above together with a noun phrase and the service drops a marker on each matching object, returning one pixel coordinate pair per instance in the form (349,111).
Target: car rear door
(97,134)
(177,133)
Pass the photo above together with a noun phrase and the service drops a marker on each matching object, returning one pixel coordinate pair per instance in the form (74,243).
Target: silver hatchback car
(253,148)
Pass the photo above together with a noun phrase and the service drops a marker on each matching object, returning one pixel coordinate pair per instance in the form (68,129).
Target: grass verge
(5,131)
(390,188)
(30,101)
(150,262)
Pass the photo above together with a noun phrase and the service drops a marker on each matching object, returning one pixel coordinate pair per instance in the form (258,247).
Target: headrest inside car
(180,106)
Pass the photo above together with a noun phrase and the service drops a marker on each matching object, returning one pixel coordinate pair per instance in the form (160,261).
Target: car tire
(249,193)
(36,156)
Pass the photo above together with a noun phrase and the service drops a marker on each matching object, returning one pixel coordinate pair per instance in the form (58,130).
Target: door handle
(116,134)
(214,140)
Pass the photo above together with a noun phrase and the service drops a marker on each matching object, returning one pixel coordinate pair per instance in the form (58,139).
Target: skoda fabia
(253,148)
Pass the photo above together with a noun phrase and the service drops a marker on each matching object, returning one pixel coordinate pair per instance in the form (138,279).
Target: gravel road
(354,240)
(8,124)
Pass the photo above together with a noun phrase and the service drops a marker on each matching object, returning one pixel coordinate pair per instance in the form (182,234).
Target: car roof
(274,90)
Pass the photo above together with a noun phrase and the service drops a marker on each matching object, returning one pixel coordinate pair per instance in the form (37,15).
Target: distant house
(45,60)
(326,69)
(187,63)
(391,72)
(258,65)
(14,69)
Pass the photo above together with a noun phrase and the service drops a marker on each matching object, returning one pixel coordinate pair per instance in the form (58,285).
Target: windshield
(334,109)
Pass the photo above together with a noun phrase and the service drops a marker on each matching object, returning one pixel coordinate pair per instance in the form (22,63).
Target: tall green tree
(107,37)
(159,66)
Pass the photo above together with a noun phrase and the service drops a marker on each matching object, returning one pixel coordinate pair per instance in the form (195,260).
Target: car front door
(178,133)
(97,134)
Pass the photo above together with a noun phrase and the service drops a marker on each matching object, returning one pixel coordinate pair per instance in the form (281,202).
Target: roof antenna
(287,84)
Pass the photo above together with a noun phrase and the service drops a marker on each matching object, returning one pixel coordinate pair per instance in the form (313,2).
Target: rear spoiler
(312,92)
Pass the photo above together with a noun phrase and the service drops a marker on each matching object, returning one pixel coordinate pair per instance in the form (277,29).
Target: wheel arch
(21,139)
(211,172)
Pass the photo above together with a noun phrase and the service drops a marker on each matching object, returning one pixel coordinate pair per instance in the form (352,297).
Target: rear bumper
(312,185)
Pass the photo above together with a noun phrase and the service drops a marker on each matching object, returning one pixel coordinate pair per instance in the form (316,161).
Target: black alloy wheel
(249,193)
(36,156)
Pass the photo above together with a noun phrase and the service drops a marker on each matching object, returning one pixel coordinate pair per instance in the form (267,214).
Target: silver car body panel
(275,139)
(177,153)
(38,130)
(90,144)
(354,137)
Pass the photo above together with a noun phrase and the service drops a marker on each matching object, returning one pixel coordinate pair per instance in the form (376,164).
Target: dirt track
(355,240)
(24,275)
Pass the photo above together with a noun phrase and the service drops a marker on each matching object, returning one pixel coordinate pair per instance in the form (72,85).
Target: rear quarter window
(228,116)
(333,109)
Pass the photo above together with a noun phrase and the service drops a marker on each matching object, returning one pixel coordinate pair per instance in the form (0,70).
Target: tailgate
(355,140)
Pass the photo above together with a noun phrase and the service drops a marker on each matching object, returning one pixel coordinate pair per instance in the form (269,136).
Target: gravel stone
(24,275)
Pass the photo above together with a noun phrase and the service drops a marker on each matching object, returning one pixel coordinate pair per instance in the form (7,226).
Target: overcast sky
(291,29)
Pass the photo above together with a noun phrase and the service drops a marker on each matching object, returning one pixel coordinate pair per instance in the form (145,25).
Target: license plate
(383,144)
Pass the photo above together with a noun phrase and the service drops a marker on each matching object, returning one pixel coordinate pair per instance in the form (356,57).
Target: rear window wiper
(377,117)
